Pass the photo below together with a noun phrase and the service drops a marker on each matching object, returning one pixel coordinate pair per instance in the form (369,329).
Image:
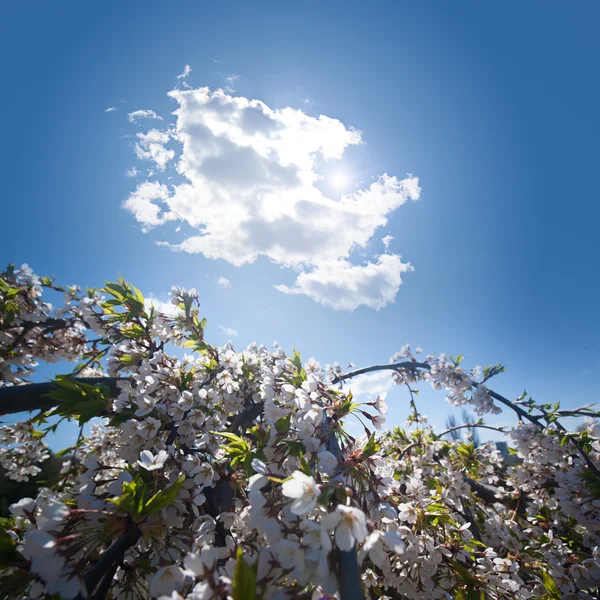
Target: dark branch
(31,396)
(416,366)
(250,411)
(348,570)
(389,367)
(521,413)
(491,495)
(113,556)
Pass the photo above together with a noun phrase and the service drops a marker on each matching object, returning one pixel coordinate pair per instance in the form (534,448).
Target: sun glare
(339,180)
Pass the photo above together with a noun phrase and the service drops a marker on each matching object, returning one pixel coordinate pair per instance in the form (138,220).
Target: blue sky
(494,107)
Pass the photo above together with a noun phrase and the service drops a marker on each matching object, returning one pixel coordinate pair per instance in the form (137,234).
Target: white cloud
(344,286)
(366,387)
(186,71)
(111,109)
(133,172)
(141,203)
(250,176)
(223,282)
(228,330)
(231,79)
(137,115)
(151,146)
(160,305)
(386,241)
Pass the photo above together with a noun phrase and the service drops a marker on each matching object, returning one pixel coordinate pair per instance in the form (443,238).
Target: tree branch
(522,414)
(113,556)
(31,396)
(351,587)
(388,367)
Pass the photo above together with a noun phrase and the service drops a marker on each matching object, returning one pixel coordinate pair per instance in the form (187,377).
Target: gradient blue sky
(494,106)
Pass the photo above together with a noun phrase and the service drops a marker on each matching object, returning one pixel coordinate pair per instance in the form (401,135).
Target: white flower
(385,511)
(186,401)
(407,512)
(327,462)
(166,580)
(205,475)
(304,490)
(373,547)
(201,591)
(380,406)
(36,542)
(266,558)
(273,412)
(22,506)
(150,462)
(302,399)
(289,553)
(51,514)
(145,405)
(149,427)
(255,483)
(378,421)
(288,392)
(350,526)
(197,564)
(369,578)
(312,366)
(259,466)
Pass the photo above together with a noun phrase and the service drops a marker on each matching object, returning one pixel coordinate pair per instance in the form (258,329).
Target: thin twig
(469,426)
(521,413)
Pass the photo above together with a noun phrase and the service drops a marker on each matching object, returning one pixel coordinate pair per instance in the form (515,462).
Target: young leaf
(244,579)
(163,498)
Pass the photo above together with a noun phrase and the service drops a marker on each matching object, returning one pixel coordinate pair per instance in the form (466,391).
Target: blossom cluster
(216,473)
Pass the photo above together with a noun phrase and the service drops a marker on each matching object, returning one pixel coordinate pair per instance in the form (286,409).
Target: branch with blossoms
(234,475)
(461,383)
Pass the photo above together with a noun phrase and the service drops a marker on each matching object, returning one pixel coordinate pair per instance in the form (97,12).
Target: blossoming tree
(212,473)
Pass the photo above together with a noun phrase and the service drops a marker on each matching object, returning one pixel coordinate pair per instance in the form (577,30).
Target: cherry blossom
(304,490)
(204,467)
(150,462)
(350,524)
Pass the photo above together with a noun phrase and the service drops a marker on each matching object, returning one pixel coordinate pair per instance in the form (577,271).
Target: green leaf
(297,360)
(283,425)
(121,417)
(592,483)
(76,399)
(133,497)
(550,585)
(304,467)
(133,331)
(244,579)
(8,550)
(138,295)
(347,406)
(463,572)
(295,447)
(163,498)
(64,452)
(231,436)
(371,447)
